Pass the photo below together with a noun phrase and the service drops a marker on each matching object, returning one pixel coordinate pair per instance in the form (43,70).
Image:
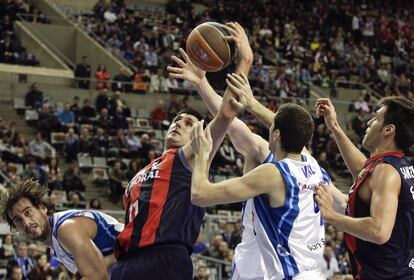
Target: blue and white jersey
(248,263)
(108,229)
(291,237)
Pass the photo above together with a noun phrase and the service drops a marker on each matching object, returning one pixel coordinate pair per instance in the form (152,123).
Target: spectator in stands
(74,201)
(202,273)
(22,260)
(116,102)
(84,141)
(104,121)
(48,121)
(67,117)
(41,149)
(7,248)
(214,250)
(133,168)
(100,143)
(42,271)
(117,182)
(36,172)
(83,73)
(330,264)
(54,175)
(72,181)
(8,50)
(158,83)
(71,147)
(158,116)
(87,113)
(34,98)
(359,124)
(15,273)
(74,107)
(133,143)
(361,105)
(200,246)
(94,204)
(103,100)
(102,77)
(32,251)
(122,81)
(147,146)
(235,235)
(140,82)
(119,120)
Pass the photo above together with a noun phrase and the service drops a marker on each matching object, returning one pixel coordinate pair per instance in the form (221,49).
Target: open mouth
(31,229)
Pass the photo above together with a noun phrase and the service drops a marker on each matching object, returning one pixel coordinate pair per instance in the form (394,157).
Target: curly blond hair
(29,189)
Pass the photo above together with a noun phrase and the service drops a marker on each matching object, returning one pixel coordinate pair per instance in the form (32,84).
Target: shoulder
(76,226)
(384,175)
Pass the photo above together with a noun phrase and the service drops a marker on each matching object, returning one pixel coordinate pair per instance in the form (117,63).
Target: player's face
(179,132)
(373,132)
(29,220)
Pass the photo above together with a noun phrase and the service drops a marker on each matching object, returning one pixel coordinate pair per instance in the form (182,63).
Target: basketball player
(82,240)
(161,222)
(379,221)
(248,261)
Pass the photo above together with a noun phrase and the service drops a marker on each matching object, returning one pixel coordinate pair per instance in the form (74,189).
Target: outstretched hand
(186,70)
(201,141)
(325,108)
(240,87)
(325,202)
(239,37)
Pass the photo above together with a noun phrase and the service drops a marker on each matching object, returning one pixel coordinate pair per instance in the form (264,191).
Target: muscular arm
(261,112)
(76,236)
(339,199)
(263,179)
(385,183)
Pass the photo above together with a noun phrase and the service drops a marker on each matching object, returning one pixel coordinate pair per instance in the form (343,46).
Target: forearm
(352,156)
(363,228)
(199,181)
(262,113)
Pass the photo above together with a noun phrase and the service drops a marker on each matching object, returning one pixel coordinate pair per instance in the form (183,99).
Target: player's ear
(276,134)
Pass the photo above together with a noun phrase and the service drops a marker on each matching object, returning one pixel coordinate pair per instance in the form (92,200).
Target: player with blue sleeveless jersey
(82,240)
(286,221)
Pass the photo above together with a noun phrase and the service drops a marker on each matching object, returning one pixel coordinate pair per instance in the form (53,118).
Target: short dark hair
(295,125)
(30,190)
(400,113)
(191,111)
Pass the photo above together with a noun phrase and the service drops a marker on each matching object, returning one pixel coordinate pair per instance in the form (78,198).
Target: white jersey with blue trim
(108,229)
(291,237)
(248,263)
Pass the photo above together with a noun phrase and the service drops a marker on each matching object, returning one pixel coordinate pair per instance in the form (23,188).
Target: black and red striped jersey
(158,206)
(395,258)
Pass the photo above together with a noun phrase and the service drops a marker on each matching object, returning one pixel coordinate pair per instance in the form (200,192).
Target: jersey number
(133,211)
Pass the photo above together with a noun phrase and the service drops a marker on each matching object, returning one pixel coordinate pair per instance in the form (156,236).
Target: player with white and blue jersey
(82,240)
(284,217)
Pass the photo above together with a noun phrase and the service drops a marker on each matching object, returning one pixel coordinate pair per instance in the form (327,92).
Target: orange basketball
(207,48)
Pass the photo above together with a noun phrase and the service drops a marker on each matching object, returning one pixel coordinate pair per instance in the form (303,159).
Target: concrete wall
(61,37)
(79,5)
(48,9)
(35,46)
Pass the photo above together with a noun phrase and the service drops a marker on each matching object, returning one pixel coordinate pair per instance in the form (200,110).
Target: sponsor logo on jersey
(407,171)
(411,264)
(412,191)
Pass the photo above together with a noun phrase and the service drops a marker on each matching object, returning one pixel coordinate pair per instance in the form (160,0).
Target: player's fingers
(176,76)
(176,70)
(236,103)
(184,54)
(229,38)
(178,61)
(233,88)
(208,134)
(231,27)
(235,80)
(246,80)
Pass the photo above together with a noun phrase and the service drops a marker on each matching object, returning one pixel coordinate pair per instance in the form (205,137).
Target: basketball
(207,47)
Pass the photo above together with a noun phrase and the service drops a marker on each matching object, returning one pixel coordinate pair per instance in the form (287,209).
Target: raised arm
(244,141)
(352,156)
(76,236)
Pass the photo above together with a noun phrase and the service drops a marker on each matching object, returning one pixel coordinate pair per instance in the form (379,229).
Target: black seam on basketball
(200,62)
(227,46)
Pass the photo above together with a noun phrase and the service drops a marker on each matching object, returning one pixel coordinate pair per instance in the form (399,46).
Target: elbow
(381,237)
(197,200)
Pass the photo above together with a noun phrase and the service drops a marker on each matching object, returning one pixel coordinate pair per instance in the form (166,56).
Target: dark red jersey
(158,206)
(395,258)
